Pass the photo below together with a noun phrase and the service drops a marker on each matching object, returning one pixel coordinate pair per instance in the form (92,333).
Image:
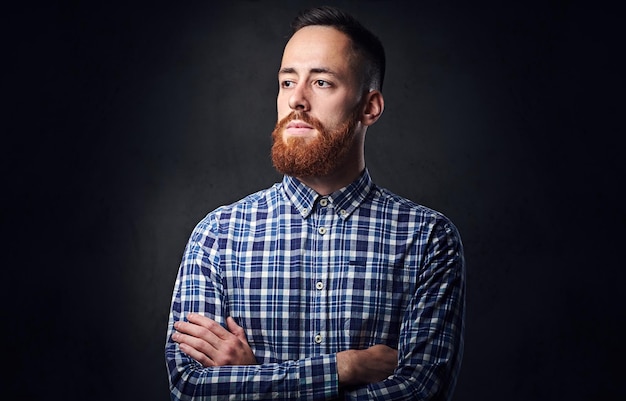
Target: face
(319,103)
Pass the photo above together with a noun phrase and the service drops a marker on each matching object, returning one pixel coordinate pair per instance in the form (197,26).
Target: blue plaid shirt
(308,276)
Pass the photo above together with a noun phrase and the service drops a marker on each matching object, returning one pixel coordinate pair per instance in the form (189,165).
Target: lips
(298,124)
(298,128)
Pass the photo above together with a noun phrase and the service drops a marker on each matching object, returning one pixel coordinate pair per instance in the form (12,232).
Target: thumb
(237,330)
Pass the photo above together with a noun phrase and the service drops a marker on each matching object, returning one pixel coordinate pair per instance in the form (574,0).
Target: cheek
(282,106)
(335,114)
(334,120)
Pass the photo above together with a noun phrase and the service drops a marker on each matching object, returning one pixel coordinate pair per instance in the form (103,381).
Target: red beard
(317,157)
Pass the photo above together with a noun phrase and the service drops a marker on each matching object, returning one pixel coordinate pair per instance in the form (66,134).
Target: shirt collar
(345,200)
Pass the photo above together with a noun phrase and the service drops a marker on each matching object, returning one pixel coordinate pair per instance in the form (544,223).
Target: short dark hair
(365,44)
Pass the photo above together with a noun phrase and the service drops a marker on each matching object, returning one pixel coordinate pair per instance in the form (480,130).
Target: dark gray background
(125,124)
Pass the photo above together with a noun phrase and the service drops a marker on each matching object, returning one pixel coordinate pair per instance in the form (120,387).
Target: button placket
(324,217)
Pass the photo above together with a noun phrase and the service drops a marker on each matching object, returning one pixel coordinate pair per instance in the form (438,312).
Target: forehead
(318,47)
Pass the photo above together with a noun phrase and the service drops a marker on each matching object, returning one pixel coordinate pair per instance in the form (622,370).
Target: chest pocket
(372,301)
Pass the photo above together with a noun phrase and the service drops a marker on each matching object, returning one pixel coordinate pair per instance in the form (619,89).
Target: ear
(373,107)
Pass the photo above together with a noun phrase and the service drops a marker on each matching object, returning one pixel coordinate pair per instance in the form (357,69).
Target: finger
(209,324)
(200,338)
(195,354)
(237,330)
(194,330)
(196,347)
(192,341)
(202,327)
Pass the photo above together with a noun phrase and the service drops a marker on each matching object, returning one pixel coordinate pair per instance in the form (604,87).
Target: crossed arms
(212,345)
(209,355)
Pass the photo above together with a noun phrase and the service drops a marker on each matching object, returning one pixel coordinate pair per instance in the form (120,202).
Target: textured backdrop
(125,124)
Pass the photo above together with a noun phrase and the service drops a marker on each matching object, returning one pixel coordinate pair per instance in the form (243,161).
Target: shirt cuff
(318,378)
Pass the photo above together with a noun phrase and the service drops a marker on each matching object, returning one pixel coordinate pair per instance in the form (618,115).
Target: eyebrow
(319,70)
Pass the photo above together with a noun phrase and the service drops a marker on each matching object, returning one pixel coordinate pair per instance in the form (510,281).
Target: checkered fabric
(308,276)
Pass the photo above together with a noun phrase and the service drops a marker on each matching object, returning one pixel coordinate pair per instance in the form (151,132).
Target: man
(323,286)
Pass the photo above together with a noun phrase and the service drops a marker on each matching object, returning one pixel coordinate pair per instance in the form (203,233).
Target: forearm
(421,386)
(365,377)
(307,379)
(371,365)
(313,378)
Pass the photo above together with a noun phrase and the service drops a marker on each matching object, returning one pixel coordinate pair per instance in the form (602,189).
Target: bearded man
(323,286)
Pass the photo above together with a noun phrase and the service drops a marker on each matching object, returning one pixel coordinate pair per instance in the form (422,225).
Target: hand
(359,367)
(207,342)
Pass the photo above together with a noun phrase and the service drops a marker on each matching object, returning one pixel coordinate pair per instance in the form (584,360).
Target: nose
(298,99)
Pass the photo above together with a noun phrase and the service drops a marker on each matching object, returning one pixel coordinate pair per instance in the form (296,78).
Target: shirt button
(305,211)
(343,212)
(322,230)
(324,202)
(319,285)
(318,338)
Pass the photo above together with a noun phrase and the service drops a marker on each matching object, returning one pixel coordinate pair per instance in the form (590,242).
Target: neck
(326,185)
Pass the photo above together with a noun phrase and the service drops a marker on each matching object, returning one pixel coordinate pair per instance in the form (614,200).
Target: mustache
(302,116)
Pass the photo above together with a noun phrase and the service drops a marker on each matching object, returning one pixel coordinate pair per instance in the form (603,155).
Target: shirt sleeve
(198,289)
(431,339)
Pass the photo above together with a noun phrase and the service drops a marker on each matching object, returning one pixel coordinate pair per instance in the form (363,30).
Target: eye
(287,84)
(322,84)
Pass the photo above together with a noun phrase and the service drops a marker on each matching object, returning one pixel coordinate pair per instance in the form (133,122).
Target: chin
(297,140)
